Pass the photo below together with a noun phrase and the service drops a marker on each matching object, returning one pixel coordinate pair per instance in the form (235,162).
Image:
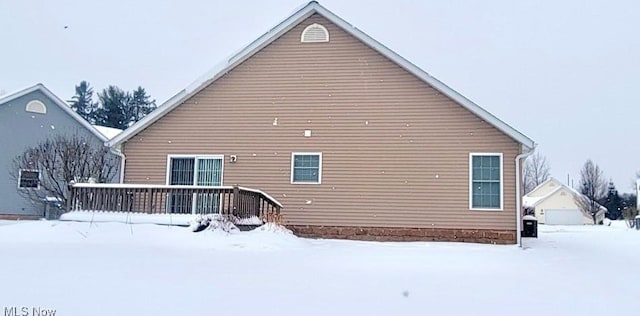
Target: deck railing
(171,199)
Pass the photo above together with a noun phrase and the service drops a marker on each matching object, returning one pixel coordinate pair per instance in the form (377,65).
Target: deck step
(244,228)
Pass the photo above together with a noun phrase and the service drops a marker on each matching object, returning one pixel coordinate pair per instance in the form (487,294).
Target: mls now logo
(28,311)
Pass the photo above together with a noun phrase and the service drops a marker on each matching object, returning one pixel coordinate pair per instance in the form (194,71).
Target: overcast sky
(565,73)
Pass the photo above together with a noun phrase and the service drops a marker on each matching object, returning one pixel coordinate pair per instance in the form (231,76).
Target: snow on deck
(143,218)
(129,217)
(81,268)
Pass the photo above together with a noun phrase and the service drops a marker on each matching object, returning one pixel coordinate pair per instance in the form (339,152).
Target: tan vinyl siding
(395,151)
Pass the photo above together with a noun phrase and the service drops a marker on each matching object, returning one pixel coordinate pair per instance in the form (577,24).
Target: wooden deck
(240,202)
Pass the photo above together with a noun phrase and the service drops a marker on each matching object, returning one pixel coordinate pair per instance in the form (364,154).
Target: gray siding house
(28,117)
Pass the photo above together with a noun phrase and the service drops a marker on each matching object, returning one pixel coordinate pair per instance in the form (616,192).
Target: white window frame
(319,154)
(471,155)
(20,179)
(36,106)
(195,165)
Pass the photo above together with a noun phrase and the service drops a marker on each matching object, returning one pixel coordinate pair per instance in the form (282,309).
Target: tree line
(115,107)
(595,190)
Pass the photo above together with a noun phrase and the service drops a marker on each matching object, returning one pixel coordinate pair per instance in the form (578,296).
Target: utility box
(52,208)
(529,226)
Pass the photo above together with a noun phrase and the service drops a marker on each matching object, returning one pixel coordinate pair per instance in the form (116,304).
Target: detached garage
(563,217)
(554,203)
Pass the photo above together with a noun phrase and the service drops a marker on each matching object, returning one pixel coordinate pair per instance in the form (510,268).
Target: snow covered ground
(8,222)
(139,269)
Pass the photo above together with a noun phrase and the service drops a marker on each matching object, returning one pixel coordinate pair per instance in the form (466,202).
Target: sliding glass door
(195,171)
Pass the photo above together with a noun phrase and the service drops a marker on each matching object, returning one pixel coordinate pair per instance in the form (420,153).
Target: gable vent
(36,106)
(315,33)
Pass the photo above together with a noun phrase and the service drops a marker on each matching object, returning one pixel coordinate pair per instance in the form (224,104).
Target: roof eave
(287,24)
(63,105)
(232,62)
(426,77)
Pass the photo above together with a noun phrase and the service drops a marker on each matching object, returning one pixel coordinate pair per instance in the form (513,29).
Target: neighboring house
(555,203)
(28,117)
(354,140)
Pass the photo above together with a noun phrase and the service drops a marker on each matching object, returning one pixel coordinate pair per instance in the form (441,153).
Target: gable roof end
(286,25)
(57,101)
(551,179)
(532,201)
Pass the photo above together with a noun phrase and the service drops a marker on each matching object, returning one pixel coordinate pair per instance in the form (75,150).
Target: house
(555,203)
(27,118)
(352,139)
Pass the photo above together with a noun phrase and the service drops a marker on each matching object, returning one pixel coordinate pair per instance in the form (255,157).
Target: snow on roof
(532,192)
(108,132)
(290,22)
(532,201)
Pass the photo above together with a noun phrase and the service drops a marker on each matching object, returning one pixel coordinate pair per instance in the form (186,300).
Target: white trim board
(290,22)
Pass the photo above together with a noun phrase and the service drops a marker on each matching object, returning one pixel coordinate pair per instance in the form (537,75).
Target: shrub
(274,218)
(214,222)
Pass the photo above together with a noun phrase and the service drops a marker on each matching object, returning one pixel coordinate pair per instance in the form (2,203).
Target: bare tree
(629,214)
(57,161)
(536,171)
(593,187)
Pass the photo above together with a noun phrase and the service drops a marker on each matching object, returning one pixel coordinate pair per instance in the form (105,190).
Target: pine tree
(613,202)
(82,102)
(141,104)
(114,110)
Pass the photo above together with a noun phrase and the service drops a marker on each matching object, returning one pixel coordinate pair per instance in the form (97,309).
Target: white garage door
(563,217)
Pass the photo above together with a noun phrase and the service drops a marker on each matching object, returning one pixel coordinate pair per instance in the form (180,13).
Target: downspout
(527,152)
(118,153)
(638,194)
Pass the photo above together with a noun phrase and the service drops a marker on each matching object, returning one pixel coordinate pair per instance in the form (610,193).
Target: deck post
(236,200)
(69,196)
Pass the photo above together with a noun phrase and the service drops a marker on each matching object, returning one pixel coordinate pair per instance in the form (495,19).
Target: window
(29,179)
(36,106)
(315,33)
(306,168)
(194,171)
(485,181)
